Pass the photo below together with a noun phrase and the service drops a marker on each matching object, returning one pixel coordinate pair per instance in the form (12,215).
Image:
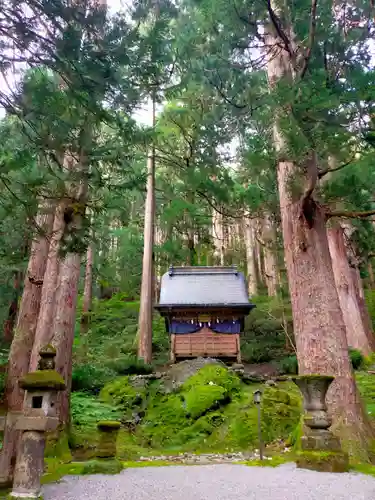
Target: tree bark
(347,291)
(87,293)
(63,327)
(252,275)
(270,259)
(146,301)
(44,332)
(318,322)
(22,343)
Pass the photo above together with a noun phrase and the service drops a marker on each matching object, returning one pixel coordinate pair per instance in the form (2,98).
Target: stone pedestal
(39,416)
(108,432)
(29,466)
(320,449)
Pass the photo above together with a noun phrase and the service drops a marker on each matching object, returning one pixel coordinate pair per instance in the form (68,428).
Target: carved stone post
(320,449)
(108,432)
(39,416)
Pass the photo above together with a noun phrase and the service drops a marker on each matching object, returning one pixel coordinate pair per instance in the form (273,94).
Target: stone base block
(17,497)
(320,440)
(323,461)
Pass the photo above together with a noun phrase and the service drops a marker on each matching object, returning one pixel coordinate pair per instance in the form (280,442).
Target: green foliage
(289,365)
(264,337)
(130,365)
(357,359)
(87,411)
(90,378)
(122,395)
(366,386)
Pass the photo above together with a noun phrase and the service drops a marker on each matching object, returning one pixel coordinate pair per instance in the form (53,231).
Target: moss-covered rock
(109,425)
(43,379)
(281,411)
(203,398)
(214,374)
(323,461)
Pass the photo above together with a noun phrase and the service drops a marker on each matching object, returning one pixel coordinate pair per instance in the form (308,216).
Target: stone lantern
(321,450)
(39,416)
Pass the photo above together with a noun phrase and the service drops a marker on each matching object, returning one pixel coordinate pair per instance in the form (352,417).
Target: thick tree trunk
(87,293)
(24,334)
(44,332)
(10,322)
(146,302)
(347,292)
(318,322)
(63,326)
(252,275)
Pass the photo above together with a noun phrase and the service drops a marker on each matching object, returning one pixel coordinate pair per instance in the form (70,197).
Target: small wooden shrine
(204,310)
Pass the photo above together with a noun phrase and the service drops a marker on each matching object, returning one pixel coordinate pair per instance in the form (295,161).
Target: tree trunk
(44,332)
(87,293)
(318,322)
(22,343)
(252,276)
(13,308)
(366,319)
(270,259)
(146,302)
(63,327)
(347,292)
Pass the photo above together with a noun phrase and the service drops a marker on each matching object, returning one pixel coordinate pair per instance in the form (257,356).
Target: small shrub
(289,365)
(357,358)
(255,352)
(130,365)
(90,378)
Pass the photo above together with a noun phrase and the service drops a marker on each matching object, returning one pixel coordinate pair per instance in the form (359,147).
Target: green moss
(274,461)
(281,411)
(109,425)
(203,398)
(216,375)
(313,376)
(57,446)
(121,394)
(102,467)
(42,379)
(55,470)
(153,463)
(323,461)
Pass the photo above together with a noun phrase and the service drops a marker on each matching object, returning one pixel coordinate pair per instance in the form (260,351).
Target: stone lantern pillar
(39,416)
(108,432)
(320,449)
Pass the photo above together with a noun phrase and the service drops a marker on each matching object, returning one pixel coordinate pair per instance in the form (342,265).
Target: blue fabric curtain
(225,326)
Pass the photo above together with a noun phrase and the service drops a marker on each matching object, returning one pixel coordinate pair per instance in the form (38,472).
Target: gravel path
(215,482)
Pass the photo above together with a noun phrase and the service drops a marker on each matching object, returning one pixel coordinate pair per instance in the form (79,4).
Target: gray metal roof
(209,286)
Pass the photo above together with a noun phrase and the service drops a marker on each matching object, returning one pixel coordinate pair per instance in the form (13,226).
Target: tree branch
(311,38)
(328,170)
(349,215)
